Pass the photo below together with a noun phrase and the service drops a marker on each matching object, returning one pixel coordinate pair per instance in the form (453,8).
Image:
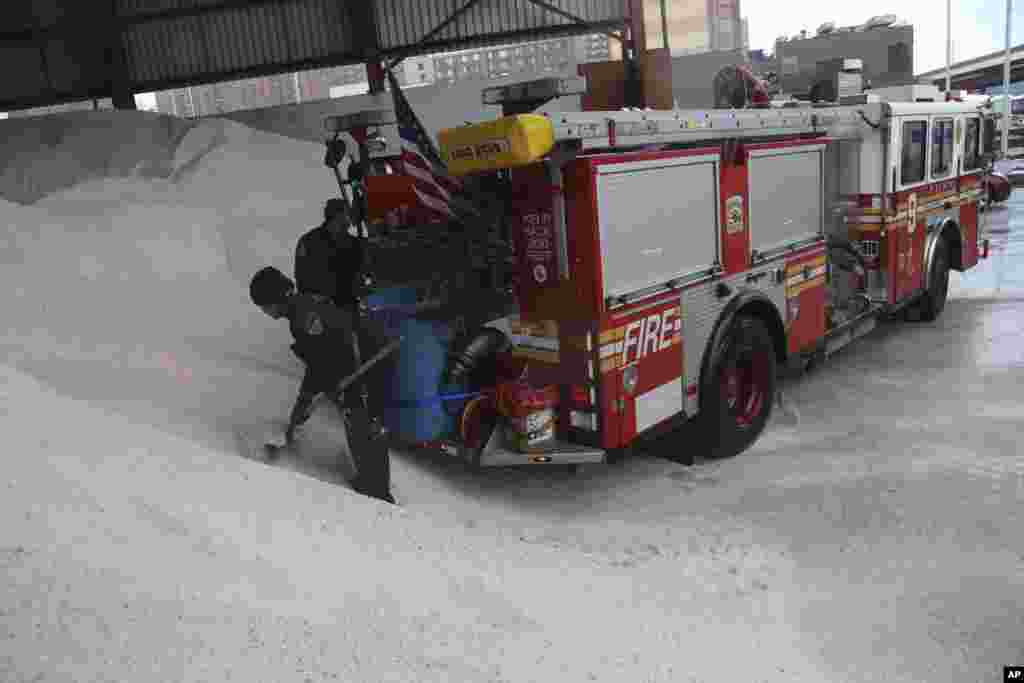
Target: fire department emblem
(314,325)
(734,214)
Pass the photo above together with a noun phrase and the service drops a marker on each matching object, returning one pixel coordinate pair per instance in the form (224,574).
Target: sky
(978,26)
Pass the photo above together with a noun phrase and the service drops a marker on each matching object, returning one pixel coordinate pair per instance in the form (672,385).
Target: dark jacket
(328,267)
(323,341)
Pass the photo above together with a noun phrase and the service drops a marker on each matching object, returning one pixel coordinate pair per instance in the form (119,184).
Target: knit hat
(333,207)
(270,286)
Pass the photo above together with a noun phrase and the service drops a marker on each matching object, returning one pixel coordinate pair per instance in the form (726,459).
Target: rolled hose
(462,363)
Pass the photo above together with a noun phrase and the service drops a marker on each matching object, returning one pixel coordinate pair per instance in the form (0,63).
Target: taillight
(581,396)
(583,401)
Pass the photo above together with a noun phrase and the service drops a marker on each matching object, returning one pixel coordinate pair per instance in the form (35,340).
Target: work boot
(362,487)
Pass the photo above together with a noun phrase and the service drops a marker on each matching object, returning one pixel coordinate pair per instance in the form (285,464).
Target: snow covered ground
(877,540)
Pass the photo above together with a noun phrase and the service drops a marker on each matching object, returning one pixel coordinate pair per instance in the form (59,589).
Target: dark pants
(369,447)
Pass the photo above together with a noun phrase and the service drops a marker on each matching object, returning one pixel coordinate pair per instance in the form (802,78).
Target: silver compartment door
(658,221)
(786,196)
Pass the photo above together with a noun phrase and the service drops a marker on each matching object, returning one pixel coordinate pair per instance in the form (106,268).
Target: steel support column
(366,41)
(119,80)
(633,54)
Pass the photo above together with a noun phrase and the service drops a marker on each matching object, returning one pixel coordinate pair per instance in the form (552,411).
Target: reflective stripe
(611,349)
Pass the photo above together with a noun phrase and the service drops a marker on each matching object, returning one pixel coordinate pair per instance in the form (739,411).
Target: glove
(279,440)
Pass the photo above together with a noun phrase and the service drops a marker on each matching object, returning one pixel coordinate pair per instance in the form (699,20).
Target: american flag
(433,186)
(427,182)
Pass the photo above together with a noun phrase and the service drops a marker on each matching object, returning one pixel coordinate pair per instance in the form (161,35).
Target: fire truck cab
(670,262)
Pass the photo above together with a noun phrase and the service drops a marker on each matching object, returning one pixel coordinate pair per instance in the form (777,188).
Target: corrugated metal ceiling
(403,23)
(170,43)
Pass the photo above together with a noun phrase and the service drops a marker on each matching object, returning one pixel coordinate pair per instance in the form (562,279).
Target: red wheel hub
(745,387)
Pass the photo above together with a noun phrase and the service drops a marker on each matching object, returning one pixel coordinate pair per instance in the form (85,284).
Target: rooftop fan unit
(880,21)
(736,87)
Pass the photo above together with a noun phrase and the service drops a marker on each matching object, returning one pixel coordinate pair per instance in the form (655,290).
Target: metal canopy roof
(65,50)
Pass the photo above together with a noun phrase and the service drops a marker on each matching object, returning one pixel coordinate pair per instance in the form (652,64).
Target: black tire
(738,392)
(934,299)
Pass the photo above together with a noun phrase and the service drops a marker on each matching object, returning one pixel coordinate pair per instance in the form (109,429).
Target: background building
(689,27)
(887,52)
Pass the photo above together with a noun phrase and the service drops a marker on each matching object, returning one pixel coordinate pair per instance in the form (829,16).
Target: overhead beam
(73,26)
(362,17)
(359,15)
(573,18)
(501,38)
(452,18)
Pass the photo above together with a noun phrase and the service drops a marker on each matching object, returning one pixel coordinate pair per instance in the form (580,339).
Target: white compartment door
(658,221)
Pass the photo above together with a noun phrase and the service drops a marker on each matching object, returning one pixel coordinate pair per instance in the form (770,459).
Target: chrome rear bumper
(495,454)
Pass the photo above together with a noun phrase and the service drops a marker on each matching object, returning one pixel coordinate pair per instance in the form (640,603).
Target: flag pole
(1006,80)
(949,44)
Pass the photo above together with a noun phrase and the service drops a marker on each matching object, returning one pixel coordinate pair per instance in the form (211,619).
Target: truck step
(495,454)
(847,333)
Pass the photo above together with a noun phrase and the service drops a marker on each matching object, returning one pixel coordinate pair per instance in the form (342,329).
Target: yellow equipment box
(505,143)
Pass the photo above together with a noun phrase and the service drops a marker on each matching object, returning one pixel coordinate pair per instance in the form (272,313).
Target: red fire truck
(670,262)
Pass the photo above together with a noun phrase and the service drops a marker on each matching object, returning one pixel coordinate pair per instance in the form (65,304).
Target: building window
(914,138)
(942,148)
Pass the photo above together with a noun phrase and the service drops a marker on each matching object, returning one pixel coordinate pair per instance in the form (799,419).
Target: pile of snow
(133,291)
(138,544)
(130,554)
(44,154)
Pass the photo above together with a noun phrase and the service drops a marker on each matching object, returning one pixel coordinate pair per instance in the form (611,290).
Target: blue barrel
(413,410)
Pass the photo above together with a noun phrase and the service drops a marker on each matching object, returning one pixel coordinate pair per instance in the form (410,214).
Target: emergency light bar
(540,89)
(362,119)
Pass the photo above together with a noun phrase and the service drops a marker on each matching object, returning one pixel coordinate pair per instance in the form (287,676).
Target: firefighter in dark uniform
(323,341)
(328,259)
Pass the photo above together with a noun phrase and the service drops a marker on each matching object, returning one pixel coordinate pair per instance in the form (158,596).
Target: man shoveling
(325,336)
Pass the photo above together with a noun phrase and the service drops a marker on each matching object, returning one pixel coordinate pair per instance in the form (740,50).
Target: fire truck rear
(670,262)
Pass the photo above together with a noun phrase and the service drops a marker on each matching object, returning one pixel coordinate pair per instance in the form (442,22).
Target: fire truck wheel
(739,389)
(934,300)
